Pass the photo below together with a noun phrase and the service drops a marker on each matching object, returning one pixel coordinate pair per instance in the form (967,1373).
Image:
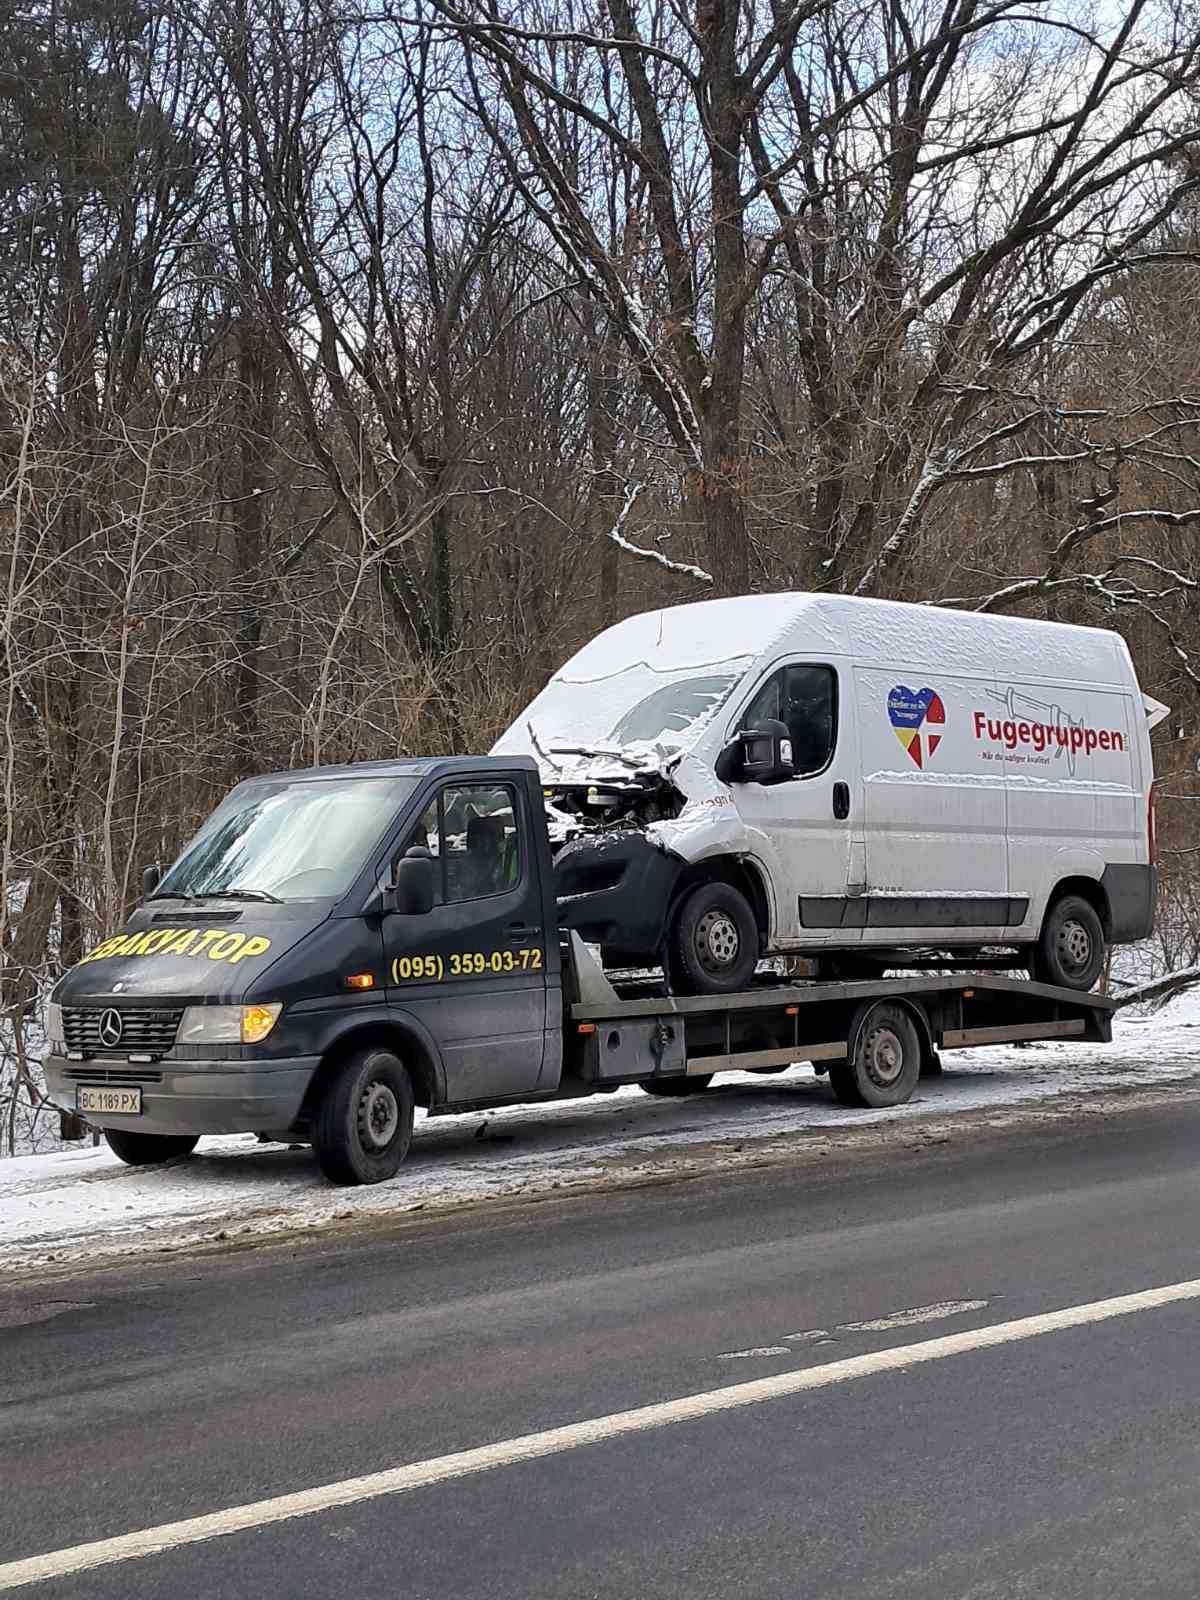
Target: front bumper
(193,1096)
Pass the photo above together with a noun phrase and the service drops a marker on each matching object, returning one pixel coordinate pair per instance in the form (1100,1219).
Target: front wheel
(884,1062)
(364,1120)
(1070,951)
(713,942)
(148,1149)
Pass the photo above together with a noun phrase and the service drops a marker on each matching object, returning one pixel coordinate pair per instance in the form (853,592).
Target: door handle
(841,801)
(519,932)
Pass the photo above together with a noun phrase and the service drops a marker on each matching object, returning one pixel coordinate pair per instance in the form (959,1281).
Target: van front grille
(111,1075)
(142,1029)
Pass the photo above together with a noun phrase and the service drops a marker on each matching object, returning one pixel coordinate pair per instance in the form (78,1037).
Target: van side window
(474,831)
(805,698)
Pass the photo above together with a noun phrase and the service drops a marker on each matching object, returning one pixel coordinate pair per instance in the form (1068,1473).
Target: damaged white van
(856,780)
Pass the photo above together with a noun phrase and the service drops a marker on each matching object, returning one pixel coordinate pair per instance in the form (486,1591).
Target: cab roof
(403,767)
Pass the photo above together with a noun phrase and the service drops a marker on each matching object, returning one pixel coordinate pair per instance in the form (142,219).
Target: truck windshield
(288,841)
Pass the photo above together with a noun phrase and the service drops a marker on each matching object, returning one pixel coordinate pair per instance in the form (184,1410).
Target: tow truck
(339,945)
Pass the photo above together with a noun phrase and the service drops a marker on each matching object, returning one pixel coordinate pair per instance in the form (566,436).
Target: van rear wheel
(713,945)
(1070,951)
(148,1149)
(364,1120)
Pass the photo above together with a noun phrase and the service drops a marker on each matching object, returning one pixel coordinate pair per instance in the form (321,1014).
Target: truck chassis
(875,1038)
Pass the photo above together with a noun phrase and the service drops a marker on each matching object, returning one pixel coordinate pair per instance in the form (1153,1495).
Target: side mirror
(151,877)
(412,894)
(766,753)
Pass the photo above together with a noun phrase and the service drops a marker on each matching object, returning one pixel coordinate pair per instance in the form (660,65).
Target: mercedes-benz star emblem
(111,1029)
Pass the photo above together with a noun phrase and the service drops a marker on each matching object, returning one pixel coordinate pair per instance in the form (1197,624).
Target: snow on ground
(83,1203)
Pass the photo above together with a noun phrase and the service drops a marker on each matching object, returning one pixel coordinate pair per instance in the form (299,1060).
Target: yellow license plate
(108,1102)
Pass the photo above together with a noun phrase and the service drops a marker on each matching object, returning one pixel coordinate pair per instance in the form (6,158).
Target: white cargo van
(850,779)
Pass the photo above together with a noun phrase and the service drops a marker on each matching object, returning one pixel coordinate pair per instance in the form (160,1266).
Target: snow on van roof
(650,684)
(706,633)
(678,638)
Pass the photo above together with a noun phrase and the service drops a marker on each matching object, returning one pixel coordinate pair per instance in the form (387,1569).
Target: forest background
(358,361)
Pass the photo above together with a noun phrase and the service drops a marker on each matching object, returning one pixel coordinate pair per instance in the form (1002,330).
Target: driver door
(473,970)
(809,829)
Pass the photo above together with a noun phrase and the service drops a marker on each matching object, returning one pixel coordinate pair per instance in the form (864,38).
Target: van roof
(708,633)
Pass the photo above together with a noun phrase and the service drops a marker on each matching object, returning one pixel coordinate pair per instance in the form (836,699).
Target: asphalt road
(1058,1466)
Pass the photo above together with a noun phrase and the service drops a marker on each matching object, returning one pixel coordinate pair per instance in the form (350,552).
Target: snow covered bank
(82,1203)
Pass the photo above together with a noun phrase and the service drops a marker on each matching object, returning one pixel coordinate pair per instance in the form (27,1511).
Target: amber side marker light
(587,1027)
(360,980)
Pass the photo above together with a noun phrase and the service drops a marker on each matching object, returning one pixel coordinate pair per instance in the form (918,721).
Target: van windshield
(288,841)
(673,708)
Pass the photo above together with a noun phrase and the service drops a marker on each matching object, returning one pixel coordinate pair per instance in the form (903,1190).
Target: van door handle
(841,800)
(519,932)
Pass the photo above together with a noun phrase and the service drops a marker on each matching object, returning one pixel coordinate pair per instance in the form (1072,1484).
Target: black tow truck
(339,945)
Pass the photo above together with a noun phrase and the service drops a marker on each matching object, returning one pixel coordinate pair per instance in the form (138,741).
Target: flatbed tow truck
(339,945)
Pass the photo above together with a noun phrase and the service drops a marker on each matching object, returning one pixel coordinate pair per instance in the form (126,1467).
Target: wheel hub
(378,1116)
(1074,945)
(717,940)
(883,1057)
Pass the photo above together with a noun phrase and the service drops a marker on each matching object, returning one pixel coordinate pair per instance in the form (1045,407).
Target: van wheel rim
(883,1057)
(378,1116)
(717,940)
(1074,945)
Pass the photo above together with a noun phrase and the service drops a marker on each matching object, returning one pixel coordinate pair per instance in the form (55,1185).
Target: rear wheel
(713,945)
(1070,951)
(149,1149)
(677,1088)
(884,1063)
(364,1121)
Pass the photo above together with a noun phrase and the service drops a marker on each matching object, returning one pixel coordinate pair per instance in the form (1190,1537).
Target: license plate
(108,1102)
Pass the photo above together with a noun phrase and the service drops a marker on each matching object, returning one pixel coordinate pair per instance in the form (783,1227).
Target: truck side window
(805,698)
(474,831)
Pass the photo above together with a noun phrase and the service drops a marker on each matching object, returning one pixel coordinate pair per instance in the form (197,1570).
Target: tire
(364,1120)
(676,1088)
(713,942)
(884,1063)
(149,1149)
(1070,950)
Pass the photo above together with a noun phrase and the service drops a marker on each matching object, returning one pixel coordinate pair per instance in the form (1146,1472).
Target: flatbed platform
(862,1032)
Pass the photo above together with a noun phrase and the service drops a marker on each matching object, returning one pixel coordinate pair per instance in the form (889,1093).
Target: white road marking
(595,1430)
(808,1336)
(757,1350)
(906,1319)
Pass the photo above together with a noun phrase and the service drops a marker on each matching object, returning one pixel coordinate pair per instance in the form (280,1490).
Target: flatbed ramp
(874,1038)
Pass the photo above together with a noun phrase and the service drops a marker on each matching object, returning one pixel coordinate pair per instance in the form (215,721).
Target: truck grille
(142,1029)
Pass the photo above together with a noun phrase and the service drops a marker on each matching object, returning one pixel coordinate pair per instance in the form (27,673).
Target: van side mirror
(151,877)
(766,753)
(412,892)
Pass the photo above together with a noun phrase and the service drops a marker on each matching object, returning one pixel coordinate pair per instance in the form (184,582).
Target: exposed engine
(574,810)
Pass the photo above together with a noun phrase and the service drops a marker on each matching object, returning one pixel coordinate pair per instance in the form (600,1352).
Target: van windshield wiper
(243,894)
(171,894)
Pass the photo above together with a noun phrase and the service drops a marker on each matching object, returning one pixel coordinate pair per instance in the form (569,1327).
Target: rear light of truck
(1151,827)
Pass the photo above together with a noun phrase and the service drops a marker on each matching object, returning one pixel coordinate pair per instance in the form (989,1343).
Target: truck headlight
(56,1036)
(228,1024)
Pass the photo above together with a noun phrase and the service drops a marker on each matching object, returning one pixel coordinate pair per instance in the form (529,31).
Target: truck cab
(322,927)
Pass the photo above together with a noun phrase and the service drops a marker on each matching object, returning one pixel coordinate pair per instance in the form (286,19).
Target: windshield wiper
(243,894)
(171,894)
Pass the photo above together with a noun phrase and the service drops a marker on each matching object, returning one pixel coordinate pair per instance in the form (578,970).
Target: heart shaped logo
(915,714)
